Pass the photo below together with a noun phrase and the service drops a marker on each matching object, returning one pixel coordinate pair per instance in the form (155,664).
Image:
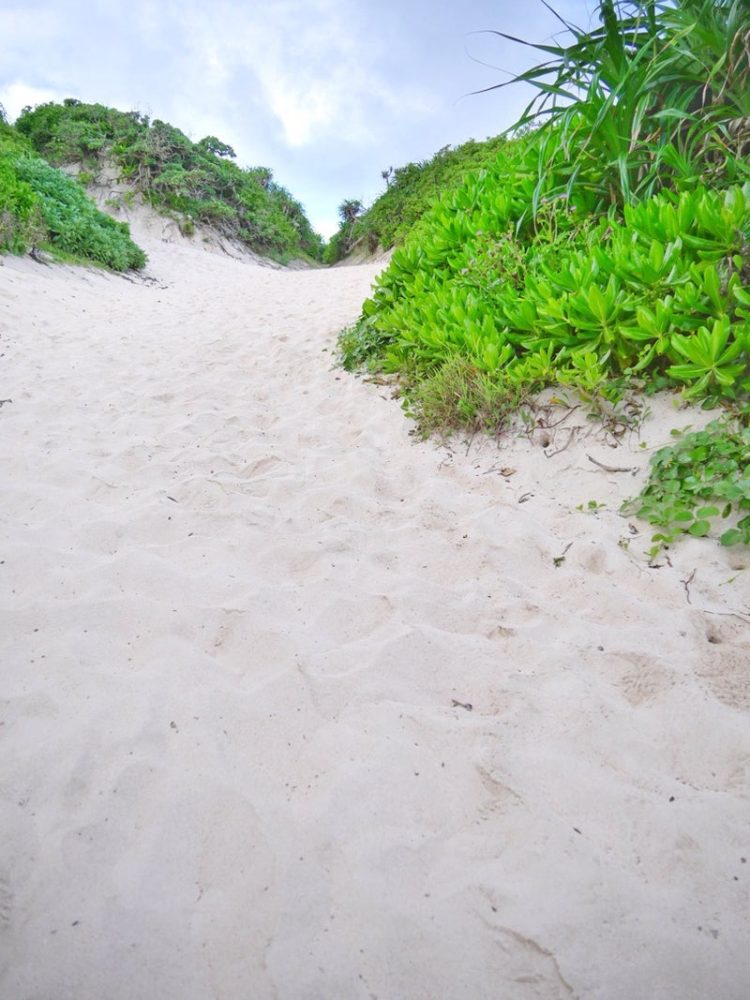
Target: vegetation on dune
(195,182)
(607,246)
(701,481)
(42,207)
(410,192)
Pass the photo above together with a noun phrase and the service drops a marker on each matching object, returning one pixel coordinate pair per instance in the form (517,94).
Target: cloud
(314,68)
(324,223)
(29,24)
(16,95)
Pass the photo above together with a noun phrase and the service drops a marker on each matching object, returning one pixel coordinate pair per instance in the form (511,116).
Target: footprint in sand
(260,467)
(639,678)
(500,799)
(346,620)
(728,677)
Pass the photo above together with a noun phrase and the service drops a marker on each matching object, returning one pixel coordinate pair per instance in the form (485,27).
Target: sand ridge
(296,706)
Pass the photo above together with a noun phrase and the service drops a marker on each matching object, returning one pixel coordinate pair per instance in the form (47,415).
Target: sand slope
(244,616)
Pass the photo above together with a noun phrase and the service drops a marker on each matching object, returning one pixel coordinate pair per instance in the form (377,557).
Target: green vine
(702,479)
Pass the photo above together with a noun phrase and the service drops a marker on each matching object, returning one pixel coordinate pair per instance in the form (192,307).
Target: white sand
(240,605)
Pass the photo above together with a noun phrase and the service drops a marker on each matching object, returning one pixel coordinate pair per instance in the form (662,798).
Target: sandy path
(240,607)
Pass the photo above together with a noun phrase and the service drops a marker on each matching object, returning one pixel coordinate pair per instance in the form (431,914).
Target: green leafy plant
(20,217)
(604,246)
(702,480)
(661,292)
(592,507)
(43,207)
(714,358)
(74,225)
(358,345)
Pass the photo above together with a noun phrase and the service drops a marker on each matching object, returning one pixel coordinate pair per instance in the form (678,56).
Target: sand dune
(297,707)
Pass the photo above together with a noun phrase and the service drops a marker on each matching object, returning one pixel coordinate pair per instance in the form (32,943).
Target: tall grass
(658,94)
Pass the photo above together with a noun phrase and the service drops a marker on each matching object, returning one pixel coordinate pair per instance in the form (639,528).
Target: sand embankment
(296,707)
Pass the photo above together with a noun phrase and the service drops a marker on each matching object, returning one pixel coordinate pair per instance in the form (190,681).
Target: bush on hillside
(41,206)
(194,182)
(74,224)
(20,218)
(410,192)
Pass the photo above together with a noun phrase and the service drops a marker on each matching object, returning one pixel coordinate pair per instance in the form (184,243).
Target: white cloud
(316,70)
(301,111)
(28,24)
(15,96)
(324,224)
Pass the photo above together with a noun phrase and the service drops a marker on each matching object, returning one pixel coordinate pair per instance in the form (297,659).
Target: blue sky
(328,93)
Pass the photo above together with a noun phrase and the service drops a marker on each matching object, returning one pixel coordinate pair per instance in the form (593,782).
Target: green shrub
(538,279)
(194,182)
(410,192)
(73,223)
(43,207)
(663,291)
(20,217)
(360,345)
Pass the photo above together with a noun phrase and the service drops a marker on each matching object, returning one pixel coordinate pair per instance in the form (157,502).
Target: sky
(327,93)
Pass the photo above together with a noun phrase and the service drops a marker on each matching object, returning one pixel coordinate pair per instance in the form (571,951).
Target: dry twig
(612,468)
(686,584)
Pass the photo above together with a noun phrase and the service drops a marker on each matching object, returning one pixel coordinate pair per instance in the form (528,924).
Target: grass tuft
(460,397)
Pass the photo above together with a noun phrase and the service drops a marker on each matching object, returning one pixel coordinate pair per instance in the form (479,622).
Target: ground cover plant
(195,182)
(43,208)
(703,480)
(605,247)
